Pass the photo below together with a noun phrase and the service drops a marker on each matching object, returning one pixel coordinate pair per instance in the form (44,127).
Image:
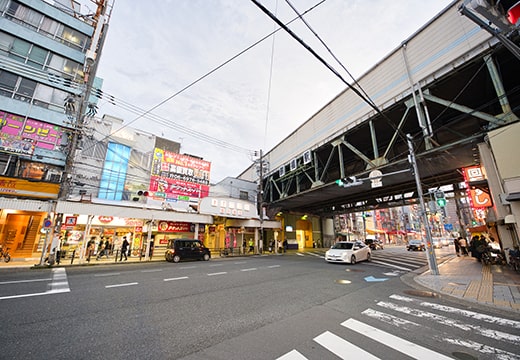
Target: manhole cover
(463,356)
(342,281)
(421,293)
(354,270)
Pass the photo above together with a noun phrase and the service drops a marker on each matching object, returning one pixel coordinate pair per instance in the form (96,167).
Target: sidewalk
(467,279)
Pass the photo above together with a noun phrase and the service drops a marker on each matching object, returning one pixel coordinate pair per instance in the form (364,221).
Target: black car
(181,249)
(415,245)
(374,244)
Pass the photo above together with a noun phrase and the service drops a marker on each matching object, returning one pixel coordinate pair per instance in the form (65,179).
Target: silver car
(349,252)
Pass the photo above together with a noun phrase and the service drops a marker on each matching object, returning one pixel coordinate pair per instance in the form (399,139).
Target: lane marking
(187,267)
(250,269)
(24,281)
(107,274)
(213,265)
(217,273)
(342,348)
(59,284)
(392,341)
(240,262)
(273,266)
(176,278)
(151,270)
(121,285)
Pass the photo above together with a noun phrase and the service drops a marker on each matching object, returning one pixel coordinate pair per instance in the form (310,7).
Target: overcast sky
(155,49)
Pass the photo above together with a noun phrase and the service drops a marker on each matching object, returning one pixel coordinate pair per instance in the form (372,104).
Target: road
(266,307)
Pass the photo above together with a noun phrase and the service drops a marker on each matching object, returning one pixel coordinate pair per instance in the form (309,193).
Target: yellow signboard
(30,189)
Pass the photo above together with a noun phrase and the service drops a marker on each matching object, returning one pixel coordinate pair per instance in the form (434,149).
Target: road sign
(47,223)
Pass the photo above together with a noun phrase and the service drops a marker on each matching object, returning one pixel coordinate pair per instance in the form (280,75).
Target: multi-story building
(47,53)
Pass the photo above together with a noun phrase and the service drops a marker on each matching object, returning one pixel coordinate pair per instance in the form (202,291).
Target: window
(7,83)
(112,182)
(37,57)
(244,195)
(25,90)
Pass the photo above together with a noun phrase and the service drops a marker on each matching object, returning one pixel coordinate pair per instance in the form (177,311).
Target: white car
(348,252)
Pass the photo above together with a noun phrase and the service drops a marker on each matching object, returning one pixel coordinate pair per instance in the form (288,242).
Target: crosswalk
(397,260)
(479,336)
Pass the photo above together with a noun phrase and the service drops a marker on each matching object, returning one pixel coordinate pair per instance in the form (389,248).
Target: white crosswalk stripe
(410,316)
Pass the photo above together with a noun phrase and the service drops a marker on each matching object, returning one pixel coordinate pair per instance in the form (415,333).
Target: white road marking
(389,319)
(342,348)
(250,269)
(176,278)
(59,284)
(300,254)
(273,266)
(390,265)
(24,281)
(239,262)
(151,270)
(217,273)
(467,313)
(498,354)
(392,341)
(121,285)
(213,265)
(187,267)
(493,334)
(292,355)
(107,274)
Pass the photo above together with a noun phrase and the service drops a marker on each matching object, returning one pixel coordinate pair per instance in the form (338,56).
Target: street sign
(47,223)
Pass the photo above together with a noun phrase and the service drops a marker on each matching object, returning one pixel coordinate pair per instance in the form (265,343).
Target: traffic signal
(349,181)
(440,198)
(503,14)
(513,12)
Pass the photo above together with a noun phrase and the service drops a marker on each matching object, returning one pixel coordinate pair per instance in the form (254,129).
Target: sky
(219,90)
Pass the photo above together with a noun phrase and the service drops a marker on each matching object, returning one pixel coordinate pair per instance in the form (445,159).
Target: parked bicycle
(4,253)
(514,259)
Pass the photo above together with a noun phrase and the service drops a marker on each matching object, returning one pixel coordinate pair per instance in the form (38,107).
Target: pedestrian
(90,248)
(124,249)
(463,244)
(101,249)
(285,245)
(271,245)
(107,247)
(251,245)
(457,246)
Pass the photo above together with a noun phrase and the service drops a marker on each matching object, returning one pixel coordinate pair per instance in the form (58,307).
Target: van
(181,249)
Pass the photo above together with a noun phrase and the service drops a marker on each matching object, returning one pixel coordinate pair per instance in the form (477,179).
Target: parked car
(414,245)
(348,252)
(181,249)
(374,244)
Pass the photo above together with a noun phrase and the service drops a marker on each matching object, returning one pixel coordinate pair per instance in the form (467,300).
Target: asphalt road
(235,308)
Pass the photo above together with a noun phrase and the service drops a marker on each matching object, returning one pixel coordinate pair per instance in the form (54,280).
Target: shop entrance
(20,233)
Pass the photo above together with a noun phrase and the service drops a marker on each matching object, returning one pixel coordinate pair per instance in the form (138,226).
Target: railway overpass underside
(446,99)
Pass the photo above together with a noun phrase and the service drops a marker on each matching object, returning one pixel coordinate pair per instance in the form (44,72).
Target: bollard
(72,258)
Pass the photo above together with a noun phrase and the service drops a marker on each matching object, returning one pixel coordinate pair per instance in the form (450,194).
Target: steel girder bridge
(447,117)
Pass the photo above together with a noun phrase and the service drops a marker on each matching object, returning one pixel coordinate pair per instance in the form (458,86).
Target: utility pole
(261,199)
(432,261)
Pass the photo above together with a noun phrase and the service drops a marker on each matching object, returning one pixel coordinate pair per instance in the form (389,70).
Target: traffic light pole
(432,261)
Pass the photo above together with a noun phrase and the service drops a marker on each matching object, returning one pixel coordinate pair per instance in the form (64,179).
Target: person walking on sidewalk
(457,246)
(463,244)
(124,249)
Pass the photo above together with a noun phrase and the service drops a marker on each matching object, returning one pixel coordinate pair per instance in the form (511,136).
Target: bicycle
(4,253)
(514,259)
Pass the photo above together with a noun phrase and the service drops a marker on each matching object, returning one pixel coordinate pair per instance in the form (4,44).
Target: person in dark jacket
(124,249)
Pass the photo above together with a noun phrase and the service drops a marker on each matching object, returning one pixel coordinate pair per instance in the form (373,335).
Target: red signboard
(174,175)
(173,226)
